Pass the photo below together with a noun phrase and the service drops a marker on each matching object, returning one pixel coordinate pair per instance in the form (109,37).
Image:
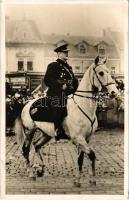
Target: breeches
(59,110)
(59,114)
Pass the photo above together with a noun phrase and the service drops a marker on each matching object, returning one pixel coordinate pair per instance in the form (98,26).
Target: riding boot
(59,131)
(60,134)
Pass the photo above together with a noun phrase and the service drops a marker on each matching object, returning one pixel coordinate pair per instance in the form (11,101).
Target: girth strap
(92,122)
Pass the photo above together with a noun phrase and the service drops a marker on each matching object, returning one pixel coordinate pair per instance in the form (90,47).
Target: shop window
(29,66)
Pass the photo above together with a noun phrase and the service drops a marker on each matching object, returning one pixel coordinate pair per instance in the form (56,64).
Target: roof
(22,31)
(26,31)
(75,40)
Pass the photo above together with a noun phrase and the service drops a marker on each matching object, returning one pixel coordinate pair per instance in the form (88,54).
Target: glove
(64,86)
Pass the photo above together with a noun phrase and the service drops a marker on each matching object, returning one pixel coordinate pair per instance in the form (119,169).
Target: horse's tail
(23,121)
(19,130)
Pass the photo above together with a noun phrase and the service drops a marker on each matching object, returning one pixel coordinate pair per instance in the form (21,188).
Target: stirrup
(56,131)
(57,134)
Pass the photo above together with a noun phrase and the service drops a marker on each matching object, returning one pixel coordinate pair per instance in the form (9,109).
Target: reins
(85,91)
(93,98)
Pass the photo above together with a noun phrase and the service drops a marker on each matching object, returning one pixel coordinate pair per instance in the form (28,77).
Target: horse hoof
(77,184)
(32,176)
(39,172)
(92,182)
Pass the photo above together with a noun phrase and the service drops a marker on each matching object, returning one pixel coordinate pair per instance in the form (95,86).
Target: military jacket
(57,74)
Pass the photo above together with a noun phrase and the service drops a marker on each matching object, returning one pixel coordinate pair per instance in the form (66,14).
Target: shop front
(24,81)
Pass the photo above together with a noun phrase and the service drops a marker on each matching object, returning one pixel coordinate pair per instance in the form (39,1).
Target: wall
(38,58)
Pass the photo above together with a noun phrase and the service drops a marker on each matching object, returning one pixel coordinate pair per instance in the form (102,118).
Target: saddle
(41,110)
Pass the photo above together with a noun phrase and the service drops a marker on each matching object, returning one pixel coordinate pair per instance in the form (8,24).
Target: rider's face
(63,55)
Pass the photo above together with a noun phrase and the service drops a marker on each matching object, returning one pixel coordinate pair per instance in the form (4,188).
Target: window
(25,61)
(24,65)
(21,65)
(29,66)
(77,69)
(113,70)
(82,48)
(101,50)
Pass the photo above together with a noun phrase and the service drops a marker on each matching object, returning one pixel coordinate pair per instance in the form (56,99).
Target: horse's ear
(96,60)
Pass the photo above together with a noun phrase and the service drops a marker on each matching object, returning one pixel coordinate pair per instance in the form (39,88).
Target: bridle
(104,87)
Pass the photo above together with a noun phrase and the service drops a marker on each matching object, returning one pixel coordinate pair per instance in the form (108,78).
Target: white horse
(80,123)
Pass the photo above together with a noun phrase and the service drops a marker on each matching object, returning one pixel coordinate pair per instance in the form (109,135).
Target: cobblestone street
(60,161)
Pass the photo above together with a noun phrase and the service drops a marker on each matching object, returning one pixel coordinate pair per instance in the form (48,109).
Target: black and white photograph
(64,98)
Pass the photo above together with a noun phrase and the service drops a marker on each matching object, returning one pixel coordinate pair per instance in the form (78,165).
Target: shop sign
(18,80)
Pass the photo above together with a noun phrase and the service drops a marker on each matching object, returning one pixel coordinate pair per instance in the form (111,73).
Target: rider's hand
(64,86)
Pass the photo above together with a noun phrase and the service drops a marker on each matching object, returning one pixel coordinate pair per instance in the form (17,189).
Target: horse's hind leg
(40,140)
(26,149)
(27,142)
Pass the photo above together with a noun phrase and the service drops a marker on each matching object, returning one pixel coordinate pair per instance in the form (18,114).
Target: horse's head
(101,78)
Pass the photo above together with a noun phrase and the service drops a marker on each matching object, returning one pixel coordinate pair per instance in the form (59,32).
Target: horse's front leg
(90,155)
(92,159)
(79,168)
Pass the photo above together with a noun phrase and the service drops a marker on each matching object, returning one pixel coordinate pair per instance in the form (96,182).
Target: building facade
(28,53)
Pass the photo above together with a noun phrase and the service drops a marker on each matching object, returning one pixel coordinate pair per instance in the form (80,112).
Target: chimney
(104,32)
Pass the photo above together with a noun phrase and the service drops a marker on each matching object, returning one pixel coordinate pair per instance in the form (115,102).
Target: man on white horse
(61,82)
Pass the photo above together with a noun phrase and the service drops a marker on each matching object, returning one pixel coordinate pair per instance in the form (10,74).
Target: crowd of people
(18,98)
(22,96)
(119,85)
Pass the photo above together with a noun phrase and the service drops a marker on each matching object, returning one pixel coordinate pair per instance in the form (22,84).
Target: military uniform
(57,74)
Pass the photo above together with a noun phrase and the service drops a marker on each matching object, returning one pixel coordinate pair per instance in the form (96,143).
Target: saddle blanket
(41,110)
